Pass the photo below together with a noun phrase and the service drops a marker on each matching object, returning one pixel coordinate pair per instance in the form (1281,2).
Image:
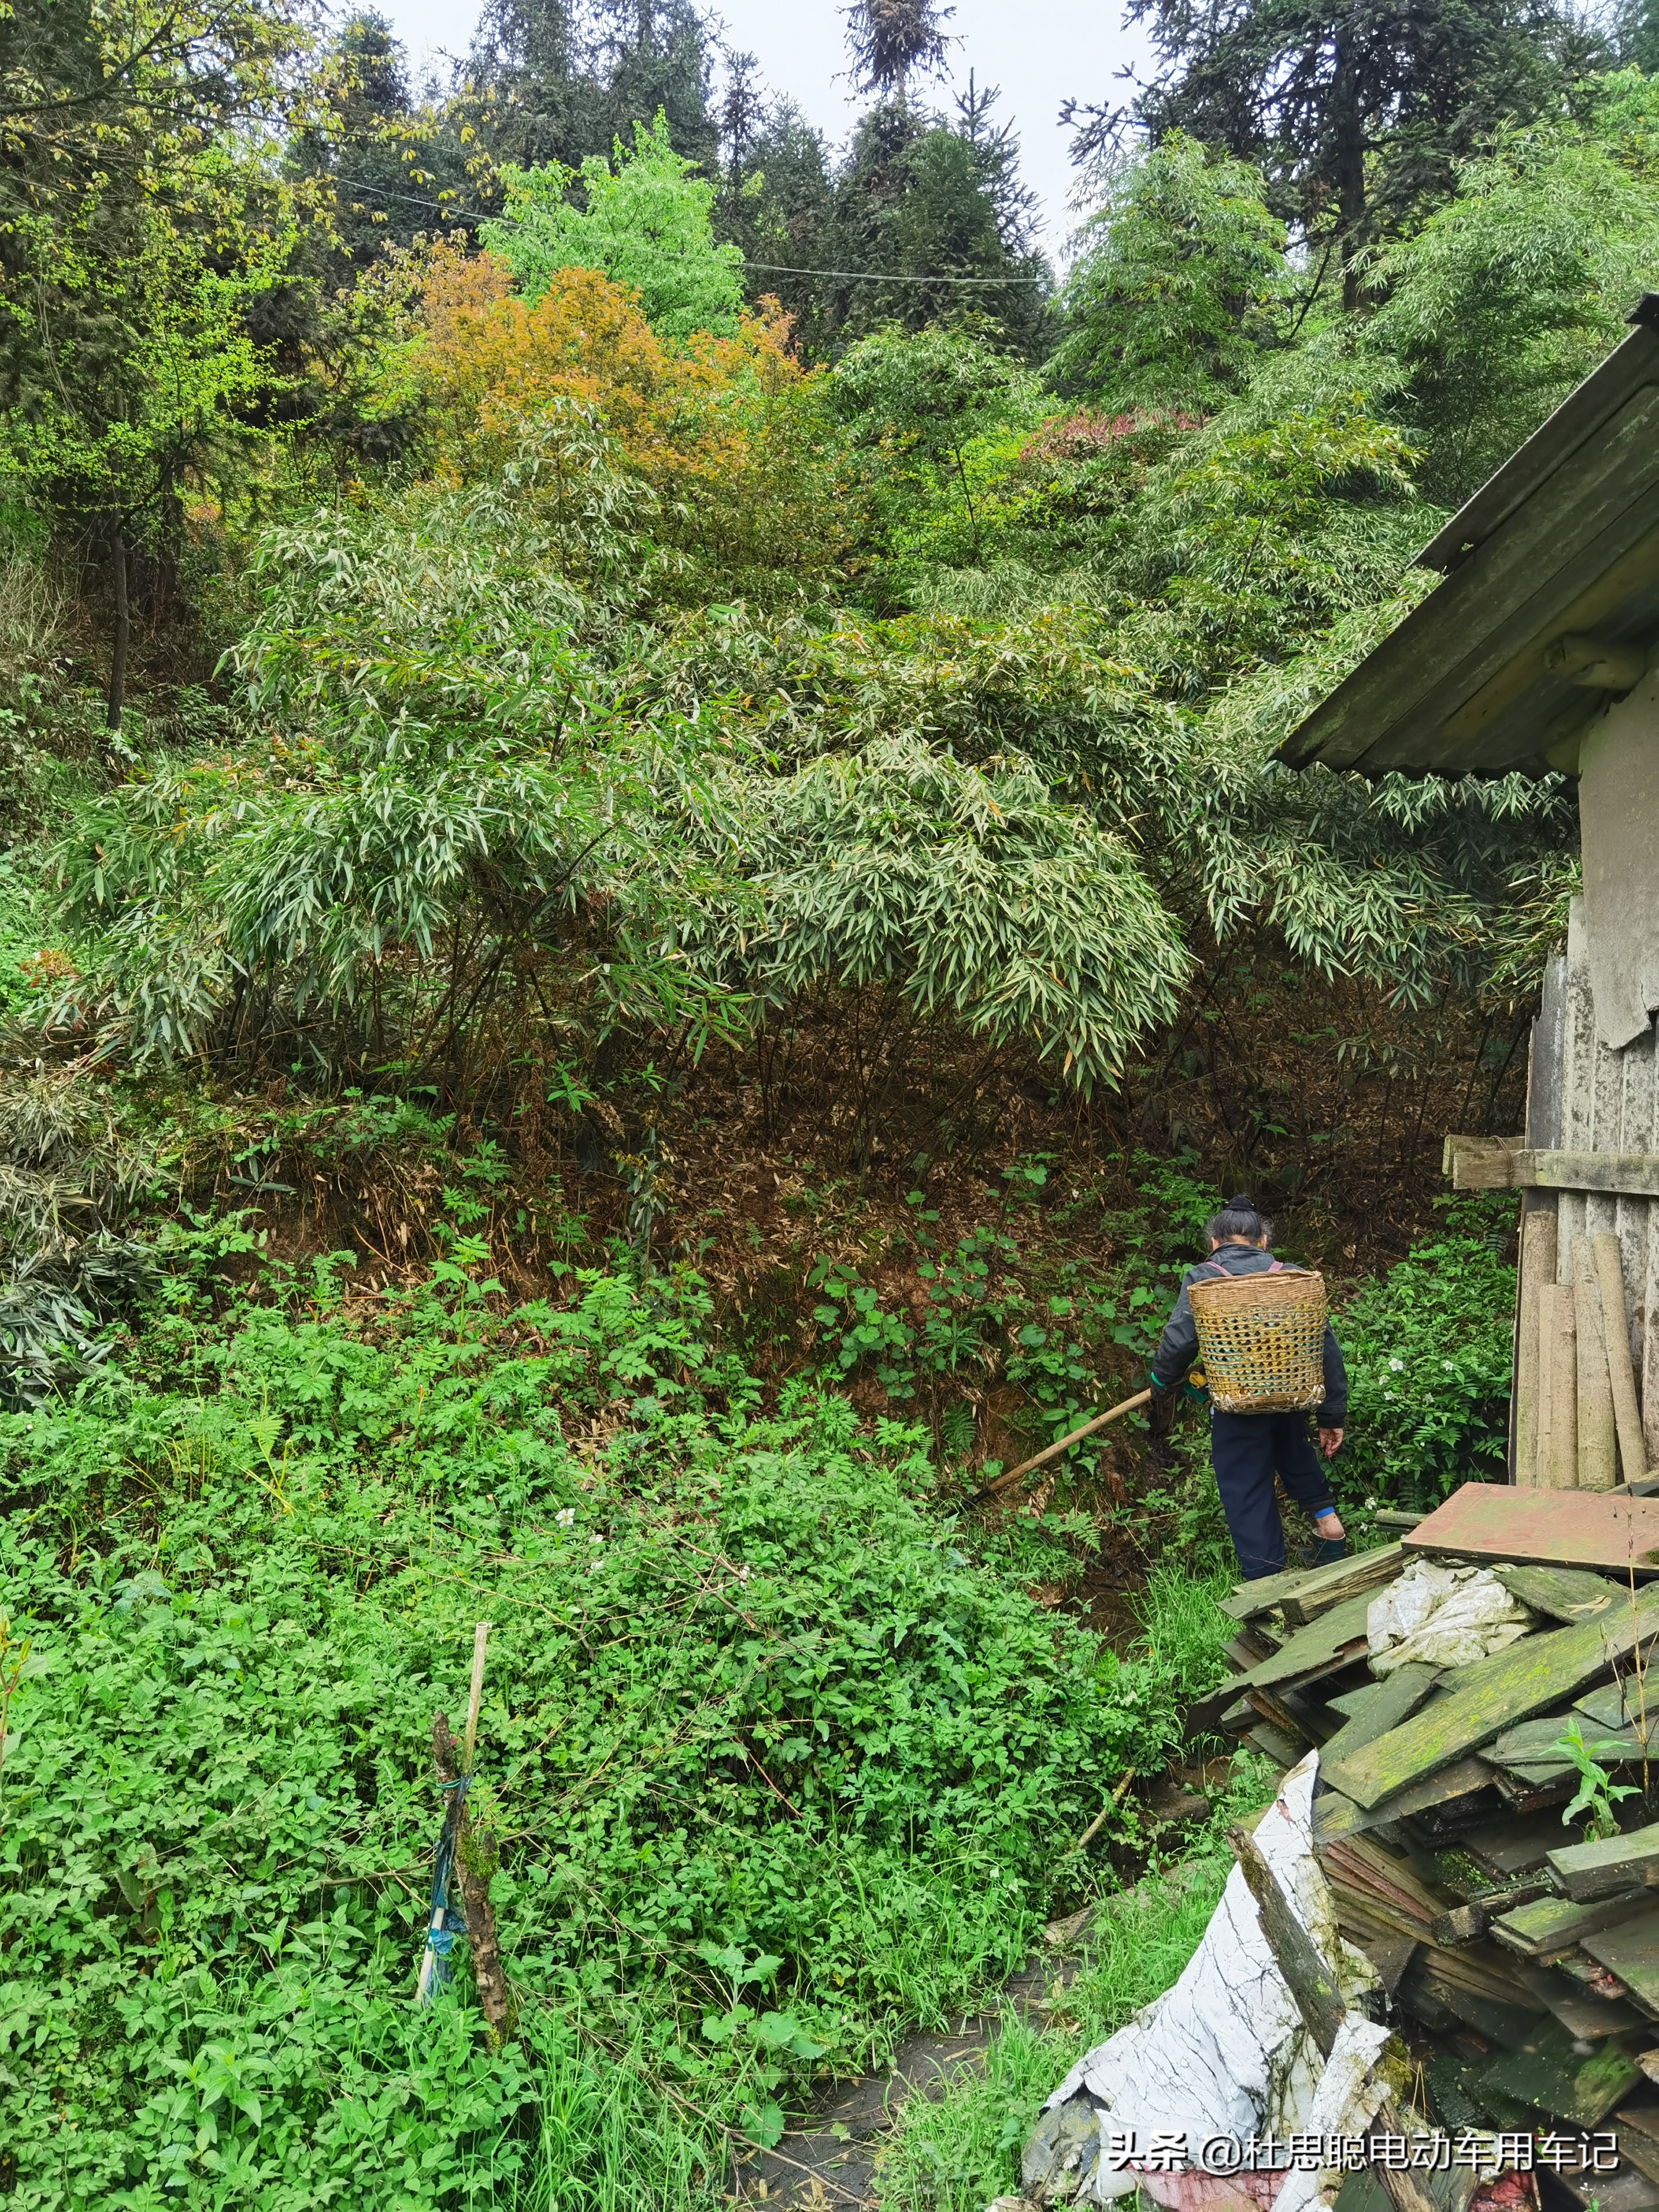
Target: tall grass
(1183,1628)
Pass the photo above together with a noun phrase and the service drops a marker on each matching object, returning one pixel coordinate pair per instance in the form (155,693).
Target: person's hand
(1330,1442)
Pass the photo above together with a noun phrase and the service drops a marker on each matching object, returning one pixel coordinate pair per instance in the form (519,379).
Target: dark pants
(1247,1450)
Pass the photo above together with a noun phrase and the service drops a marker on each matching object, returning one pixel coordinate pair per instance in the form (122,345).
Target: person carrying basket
(1269,1358)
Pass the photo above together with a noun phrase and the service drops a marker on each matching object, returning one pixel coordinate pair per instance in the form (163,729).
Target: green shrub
(1428,1348)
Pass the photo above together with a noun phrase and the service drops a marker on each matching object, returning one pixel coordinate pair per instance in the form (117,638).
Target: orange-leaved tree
(725,430)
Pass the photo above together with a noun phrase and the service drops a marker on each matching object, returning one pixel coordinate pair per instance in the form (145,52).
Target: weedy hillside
(646,899)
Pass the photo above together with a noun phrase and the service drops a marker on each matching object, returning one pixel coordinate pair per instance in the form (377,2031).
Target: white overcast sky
(1039,51)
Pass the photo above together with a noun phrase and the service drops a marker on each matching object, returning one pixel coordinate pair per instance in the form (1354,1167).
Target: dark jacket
(1177,1347)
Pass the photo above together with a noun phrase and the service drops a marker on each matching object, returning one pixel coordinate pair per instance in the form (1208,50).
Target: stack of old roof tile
(1520,1958)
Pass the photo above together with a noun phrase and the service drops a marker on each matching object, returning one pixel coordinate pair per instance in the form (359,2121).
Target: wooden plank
(1335,1816)
(1491,2018)
(1615,1321)
(1598,1441)
(1463,1923)
(1381,1706)
(1475,1704)
(1482,1163)
(1621,1175)
(1308,1592)
(1620,1706)
(1323,1644)
(1489,1521)
(1554,1925)
(1390,1953)
(1631,1950)
(1638,2148)
(1364,1863)
(1531,1744)
(1273,1743)
(1509,1851)
(1564,1593)
(1353,1701)
(1589,2018)
(1585,1871)
(1550,2071)
(1327,1587)
(1313,1985)
(1628,2191)
(1274,1708)
(1537,1268)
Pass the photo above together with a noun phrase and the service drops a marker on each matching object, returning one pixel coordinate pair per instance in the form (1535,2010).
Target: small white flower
(565,1519)
(743,1574)
(1395,1366)
(1447,1364)
(596,1539)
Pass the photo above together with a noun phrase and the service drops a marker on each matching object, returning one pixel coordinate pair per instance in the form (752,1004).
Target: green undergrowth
(774,1751)
(958,2152)
(1428,1346)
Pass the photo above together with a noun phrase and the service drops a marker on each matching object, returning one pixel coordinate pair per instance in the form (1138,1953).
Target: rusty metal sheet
(1548,1528)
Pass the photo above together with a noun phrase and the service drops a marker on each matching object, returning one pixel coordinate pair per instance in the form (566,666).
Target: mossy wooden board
(1336,1816)
(1322,1644)
(1605,1866)
(1553,1925)
(1313,1590)
(1382,1706)
(1564,1594)
(1553,2072)
(1584,1529)
(1475,1704)
(1631,1951)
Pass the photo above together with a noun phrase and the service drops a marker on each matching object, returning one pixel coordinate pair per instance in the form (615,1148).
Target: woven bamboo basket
(1262,1339)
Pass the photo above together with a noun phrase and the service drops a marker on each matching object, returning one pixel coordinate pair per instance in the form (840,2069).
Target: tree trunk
(123,632)
(1348,150)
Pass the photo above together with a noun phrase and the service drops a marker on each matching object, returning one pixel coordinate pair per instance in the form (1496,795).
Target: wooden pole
(1598,1457)
(472,1871)
(1077,1436)
(475,1695)
(1615,1328)
(1537,1269)
(1559,1328)
(1543,1354)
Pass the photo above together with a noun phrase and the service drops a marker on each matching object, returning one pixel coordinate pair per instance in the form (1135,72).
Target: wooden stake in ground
(1027,1466)
(469,1866)
(1615,1327)
(475,1694)
(1598,1457)
(473,1868)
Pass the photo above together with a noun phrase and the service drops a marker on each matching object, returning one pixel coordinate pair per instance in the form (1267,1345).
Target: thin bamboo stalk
(1615,1325)
(1598,1454)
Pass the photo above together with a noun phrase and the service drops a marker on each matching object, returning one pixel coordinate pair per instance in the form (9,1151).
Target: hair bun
(1239,1203)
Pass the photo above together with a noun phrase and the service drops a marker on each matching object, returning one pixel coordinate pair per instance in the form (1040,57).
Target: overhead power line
(765,268)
